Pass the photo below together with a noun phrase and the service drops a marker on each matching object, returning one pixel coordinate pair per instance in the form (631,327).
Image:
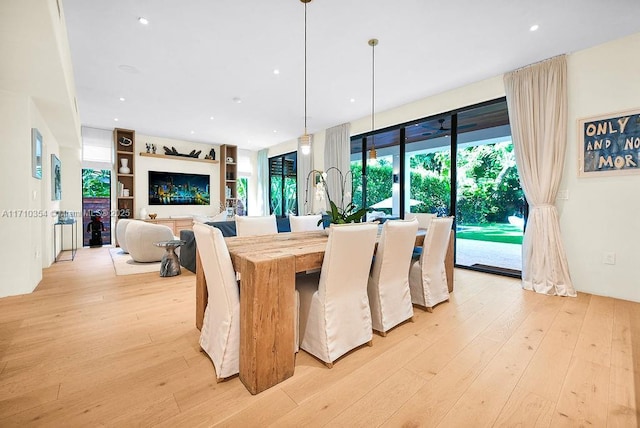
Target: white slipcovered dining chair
(220,334)
(388,287)
(334,307)
(427,277)
(256,225)
(424,219)
(305,223)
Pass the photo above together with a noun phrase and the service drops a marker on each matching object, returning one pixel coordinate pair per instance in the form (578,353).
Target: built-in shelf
(156,155)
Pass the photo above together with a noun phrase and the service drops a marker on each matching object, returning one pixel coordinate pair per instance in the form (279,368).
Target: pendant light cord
(305,68)
(373,87)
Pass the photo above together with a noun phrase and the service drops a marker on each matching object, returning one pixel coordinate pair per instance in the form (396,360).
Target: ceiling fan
(442,128)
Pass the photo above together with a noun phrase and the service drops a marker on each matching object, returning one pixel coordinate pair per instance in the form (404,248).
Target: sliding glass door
(490,204)
(283,184)
(459,163)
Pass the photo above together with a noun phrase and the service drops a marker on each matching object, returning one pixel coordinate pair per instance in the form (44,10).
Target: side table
(74,246)
(170,265)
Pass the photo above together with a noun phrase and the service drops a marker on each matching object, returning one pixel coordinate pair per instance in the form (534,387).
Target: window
(243,190)
(283,185)
(458,163)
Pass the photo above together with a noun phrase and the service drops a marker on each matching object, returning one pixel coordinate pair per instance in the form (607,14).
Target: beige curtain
(305,191)
(263,182)
(337,152)
(537,100)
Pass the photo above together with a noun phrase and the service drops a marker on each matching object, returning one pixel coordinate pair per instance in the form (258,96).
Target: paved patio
(470,252)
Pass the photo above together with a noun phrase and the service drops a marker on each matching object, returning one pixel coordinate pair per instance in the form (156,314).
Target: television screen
(175,188)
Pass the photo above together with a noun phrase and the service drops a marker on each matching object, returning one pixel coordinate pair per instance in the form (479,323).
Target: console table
(74,245)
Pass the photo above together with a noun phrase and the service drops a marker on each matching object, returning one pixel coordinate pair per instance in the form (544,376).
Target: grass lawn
(493,232)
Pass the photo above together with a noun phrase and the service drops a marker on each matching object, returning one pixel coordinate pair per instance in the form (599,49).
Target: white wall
(601,214)
(26,209)
(176,164)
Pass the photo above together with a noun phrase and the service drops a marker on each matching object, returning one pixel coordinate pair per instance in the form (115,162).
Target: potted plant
(340,211)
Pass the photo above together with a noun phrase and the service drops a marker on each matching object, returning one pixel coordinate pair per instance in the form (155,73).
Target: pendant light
(372,153)
(304,141)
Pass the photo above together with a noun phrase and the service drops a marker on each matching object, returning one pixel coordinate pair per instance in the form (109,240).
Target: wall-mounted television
(176,188)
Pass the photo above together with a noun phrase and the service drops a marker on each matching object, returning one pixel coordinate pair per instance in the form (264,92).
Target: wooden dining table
(267,266)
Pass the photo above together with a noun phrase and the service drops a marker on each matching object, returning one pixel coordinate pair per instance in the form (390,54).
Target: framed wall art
(36,154)
(609,144)
(56,178)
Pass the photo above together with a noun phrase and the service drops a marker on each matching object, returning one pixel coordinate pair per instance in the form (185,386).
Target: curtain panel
(337,151)
(263,182)
(537,100)
(305,192)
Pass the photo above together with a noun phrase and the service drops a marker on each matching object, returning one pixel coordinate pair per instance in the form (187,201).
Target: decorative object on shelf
(66,217)
(153,216)
(173,152)
(124,166)
(211,155)
(148,146)
(153,149)
(143,213)
(125,142)
(373,43)
(56,178)
(345,211)
(125,193)
(229,159)
(305,139)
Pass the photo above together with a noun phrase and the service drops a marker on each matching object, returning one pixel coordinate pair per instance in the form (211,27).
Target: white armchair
(220,335)
(121,230)
(140,237)
(334,307)
(388,287)
(254,226)
(427,277)
(305,223)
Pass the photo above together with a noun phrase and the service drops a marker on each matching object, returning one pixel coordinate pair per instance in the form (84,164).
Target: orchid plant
(345,211)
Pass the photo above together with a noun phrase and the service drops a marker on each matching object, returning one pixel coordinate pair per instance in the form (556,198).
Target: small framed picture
(56,178)
(609,144)
(36,154)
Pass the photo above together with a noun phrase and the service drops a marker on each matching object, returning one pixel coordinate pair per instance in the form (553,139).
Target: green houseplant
(340,211)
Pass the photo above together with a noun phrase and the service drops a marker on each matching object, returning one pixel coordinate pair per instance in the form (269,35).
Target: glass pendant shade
(305,141)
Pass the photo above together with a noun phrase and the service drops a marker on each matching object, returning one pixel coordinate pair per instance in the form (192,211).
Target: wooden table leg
(448,263)
(267,322)
(202,295)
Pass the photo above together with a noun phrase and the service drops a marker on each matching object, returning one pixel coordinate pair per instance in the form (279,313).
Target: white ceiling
(196,56)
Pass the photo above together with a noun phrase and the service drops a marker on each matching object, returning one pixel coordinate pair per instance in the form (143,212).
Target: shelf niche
(124,141)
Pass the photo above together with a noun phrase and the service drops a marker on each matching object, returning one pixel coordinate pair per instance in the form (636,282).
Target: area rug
(124,265)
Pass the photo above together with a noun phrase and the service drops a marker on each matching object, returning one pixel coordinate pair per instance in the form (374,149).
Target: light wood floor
(89,348)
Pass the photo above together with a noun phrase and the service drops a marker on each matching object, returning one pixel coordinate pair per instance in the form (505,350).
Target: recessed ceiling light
(115,119)
(122,98)
(143,20)
(276,71)
(352,100)
(193,132)
(534,27)
(237,100)
(275,130)
(211,118)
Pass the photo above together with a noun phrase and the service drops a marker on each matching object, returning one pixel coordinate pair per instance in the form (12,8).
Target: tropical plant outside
(96,183)
(488,187)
